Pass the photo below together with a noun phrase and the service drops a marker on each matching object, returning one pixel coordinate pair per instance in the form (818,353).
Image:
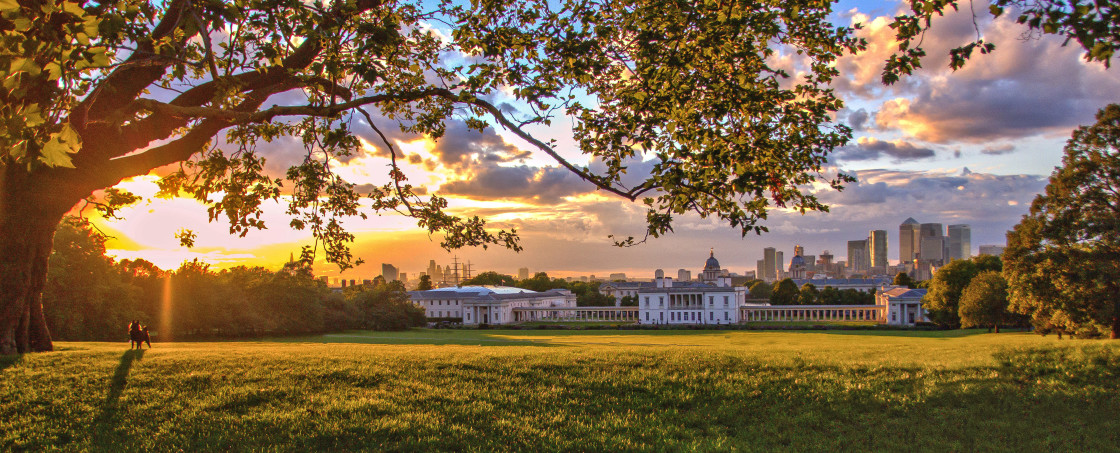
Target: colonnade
(792,313)
(621,314)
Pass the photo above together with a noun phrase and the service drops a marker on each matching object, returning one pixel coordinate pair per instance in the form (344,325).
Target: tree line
(90,296)
(587,293)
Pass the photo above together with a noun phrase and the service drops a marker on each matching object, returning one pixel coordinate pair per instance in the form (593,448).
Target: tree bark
(997,328)
(28,219)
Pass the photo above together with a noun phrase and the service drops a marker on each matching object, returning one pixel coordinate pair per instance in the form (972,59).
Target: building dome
(712,263)
(797,261)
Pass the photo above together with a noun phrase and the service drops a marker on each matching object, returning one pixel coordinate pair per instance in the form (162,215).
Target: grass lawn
(534,390)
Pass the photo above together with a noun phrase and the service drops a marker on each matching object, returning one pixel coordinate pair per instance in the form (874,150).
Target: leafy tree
(387,307)
(808,294)
(98,92)
(425,283)
(761,290)
(903,279)
(541,282)
(628,301)
(829,296)
(943,299)
(785,293)
(88,299)
(984,301)
(491,278)
(1062,261)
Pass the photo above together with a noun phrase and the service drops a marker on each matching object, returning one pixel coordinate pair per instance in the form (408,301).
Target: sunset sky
(972,146)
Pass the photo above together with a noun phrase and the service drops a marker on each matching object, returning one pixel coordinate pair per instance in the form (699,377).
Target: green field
(571,390)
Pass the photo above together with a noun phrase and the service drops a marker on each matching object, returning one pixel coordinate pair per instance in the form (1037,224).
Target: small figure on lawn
(144,335)
(134,336)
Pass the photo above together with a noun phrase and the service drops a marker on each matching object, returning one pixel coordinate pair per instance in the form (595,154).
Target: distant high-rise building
(960,242)
(810,263)
(798,250)
(994,250)
(389,272)
(857,255)
(932,243)
(404,277)
(760,270)
(523,273)
(435,272)
(909,242)
(877,242)
(684,275)
(770,267)
(780,263)
(618,276)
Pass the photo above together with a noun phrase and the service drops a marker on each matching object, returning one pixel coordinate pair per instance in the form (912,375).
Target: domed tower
(797,268)
(711,268)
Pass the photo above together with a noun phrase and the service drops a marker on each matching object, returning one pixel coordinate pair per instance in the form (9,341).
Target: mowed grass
(468,390)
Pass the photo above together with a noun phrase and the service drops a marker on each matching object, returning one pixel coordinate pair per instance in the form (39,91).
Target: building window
(724,301)
(711,316)
(711,300)
(726,316)
(894,317)
(647,301)
(647,316)
(660,301)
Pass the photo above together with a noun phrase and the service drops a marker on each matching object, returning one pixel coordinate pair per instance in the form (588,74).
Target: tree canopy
(1062,261)
(943,299)
(983,302)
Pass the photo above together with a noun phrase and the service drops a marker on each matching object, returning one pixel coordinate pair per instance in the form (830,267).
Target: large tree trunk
(28,219)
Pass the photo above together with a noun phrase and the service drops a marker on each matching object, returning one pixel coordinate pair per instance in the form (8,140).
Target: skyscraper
(779,263)
(523,273)
(770,264)
(960,242)
(909,243)
(994,250)
(932,243)
(877,242)
(389,272)
(857,255)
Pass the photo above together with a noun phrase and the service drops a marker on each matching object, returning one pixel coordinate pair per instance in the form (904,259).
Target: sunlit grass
(571,390)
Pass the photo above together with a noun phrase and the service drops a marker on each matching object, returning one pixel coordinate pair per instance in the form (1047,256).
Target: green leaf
(56,152)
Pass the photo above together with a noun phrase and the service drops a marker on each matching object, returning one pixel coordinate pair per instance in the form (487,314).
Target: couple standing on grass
(138,335)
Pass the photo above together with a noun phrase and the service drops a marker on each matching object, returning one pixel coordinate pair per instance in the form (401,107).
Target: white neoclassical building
(903,305)
(487,304)
(712,301)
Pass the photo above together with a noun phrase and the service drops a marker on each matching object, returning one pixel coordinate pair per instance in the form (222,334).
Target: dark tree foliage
(984,302)
(91,297)
(425,283)
(491,278)
(386,307)
(1062,261)
(903,279)
(943,299)
(761,290)
(785,293)
(808,295)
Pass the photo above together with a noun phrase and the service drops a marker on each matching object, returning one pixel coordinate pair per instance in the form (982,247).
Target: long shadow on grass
(107,420)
